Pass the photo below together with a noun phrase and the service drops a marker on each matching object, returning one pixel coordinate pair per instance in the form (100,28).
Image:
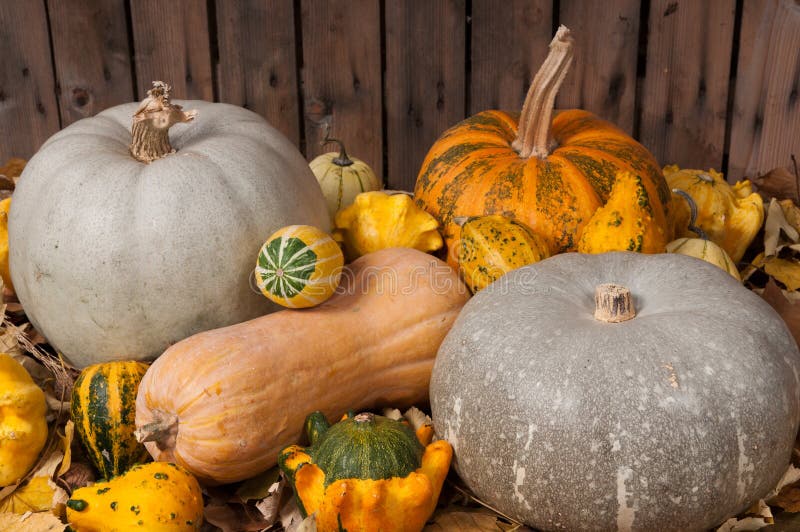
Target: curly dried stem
(533,134)
(151,123)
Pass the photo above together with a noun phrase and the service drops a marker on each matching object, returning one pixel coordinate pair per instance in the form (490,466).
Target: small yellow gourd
(342,177)
(23,427)
(626,222)
(157,497)
(731,216)
(492,246)
(299,266)
(700,248)
(377,220)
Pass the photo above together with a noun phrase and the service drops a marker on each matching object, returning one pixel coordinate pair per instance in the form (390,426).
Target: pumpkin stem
(692,213)
(342,159)
(613,303)
(162,431)
(151,123)
(533,134)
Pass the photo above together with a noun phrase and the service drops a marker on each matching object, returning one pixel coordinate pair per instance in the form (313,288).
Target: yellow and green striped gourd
(299,266)
(103,409)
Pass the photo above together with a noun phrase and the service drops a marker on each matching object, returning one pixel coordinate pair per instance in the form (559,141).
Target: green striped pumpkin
(103,409)
(299,266)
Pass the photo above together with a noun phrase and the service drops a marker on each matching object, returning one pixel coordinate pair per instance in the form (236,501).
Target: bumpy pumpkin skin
(492,246)
(731,216)
(706,250)
(377,220)
(144,255)
(157,497)
(369,475)
(103,408)
(683,416)
(23,427)
(473,170)
(299,266)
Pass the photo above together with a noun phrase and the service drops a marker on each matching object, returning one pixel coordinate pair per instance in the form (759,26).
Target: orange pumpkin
(552,174)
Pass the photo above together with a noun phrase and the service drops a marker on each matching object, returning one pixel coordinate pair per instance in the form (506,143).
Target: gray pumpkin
(116,258)
(673,420)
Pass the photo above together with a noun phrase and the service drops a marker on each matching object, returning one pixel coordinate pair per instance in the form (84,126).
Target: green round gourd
(364,446)
(103,409)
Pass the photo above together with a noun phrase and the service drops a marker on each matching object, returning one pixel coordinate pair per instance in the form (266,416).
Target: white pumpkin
(116,258)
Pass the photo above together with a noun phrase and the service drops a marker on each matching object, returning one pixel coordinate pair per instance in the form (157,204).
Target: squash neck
(151,123)
(533,133)
(613,303)
(163,430)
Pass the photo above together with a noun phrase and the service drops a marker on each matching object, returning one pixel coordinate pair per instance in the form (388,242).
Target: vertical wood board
(91,56)
(508,46)
(28,107)
(603,75)
(171,44)
(342,78)
(766,120)
(425,80)
(257,64)
(685,92)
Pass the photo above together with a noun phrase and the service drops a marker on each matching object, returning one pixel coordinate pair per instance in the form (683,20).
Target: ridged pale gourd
(492,246)
(342,178)
(299,266)
(103,409)
(551,173)
(156,497)
(366,473)
(23,426)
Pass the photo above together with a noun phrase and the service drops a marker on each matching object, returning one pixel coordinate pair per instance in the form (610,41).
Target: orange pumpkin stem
(613,303)
(151,123)
(533,134)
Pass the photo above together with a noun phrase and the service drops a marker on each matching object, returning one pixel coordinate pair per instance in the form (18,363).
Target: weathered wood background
(702,83)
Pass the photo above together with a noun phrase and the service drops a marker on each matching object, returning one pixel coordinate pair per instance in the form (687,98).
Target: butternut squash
(223,403)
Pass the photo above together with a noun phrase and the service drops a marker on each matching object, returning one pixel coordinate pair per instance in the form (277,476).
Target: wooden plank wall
(710,83)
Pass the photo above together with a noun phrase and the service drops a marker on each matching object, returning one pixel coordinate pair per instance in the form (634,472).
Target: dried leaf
(260,486)
(234,517)
(784,270)
(66,445)
(392,413)
(778,183)
(790,477)
(35,496)
(417,418)
(290,517)
(38,522)
(463,521)
(773,226)
(742,525)
(787,309)
(309,524)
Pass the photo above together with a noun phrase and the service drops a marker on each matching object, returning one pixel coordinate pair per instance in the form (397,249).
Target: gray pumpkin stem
(613,303)
(151,123)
